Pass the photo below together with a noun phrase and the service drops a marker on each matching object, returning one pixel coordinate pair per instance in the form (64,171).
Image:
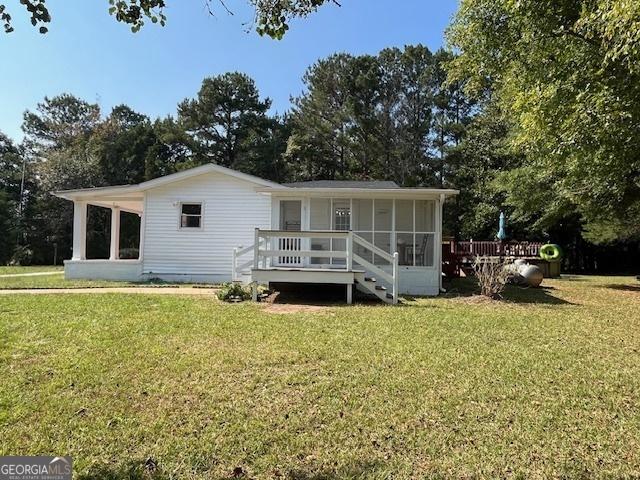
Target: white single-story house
(214,224)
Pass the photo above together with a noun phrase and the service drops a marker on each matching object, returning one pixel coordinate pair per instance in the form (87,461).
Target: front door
(290,221)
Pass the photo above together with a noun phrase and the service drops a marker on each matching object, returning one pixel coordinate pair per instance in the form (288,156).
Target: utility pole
(21,200)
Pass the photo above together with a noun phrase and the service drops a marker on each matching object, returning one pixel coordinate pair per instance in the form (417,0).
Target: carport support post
(79,230)
(114,248)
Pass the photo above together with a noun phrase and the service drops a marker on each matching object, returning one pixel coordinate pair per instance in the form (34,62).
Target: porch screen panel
(424,249)
(362,218)
(425,233)
(383,215)
(320,219)
(362,215)
(404,231)
(405,248)
(404,216)
(425,216)
(382,240)
(382,228)
(320,215)
(341,221)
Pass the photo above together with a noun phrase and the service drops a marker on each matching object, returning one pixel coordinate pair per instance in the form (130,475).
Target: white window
(415,232)
(190,215)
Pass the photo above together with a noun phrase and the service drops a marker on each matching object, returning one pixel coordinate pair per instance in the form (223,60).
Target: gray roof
(373,184)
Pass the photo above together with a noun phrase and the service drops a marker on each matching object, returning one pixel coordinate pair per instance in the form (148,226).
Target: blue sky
(88,54)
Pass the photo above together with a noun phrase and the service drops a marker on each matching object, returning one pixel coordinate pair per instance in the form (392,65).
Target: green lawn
(51,281)
(544,385)
(54,281)
(13,270)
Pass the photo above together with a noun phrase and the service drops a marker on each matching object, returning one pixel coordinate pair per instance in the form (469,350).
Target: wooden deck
(284,257)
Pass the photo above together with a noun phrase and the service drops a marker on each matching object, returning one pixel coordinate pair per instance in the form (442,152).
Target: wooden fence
(457,255)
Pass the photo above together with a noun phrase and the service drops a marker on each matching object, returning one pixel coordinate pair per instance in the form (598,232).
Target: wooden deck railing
(496,249)
(292,249)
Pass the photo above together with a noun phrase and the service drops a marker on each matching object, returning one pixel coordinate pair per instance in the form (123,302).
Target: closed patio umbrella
(501,233)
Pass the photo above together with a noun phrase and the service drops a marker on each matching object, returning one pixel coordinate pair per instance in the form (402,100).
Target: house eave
(87,193)
(359,192)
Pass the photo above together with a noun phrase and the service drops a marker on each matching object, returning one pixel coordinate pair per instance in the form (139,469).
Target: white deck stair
(369,285)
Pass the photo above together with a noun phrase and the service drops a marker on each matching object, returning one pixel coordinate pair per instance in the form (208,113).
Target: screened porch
(406,226)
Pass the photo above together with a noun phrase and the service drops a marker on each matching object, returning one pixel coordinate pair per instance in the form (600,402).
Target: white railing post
(396,258)
(350,251)
(256,249)
(234,265)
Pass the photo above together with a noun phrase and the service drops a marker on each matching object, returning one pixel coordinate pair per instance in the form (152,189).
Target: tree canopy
(568,75)
(272,17)
(532,119)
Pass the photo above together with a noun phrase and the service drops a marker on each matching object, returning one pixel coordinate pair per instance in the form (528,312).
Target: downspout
(143,235)
(439,243)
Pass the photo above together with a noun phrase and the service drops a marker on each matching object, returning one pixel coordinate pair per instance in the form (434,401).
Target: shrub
(234,292)
(492,276)
(22,256)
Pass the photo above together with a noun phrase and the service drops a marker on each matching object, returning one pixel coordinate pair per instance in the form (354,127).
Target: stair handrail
(236,268)
(394,259)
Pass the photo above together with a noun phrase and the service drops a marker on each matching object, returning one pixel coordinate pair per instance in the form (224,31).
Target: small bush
(492,276)
(234,292)
(22,256)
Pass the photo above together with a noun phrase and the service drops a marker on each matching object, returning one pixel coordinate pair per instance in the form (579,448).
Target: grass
(54,281)
(545,384)
(35,269)
(58,281)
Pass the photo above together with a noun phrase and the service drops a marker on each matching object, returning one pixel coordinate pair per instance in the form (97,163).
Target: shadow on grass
(540,295)
(622,287)
(468,286)
(133,470)
(326,295)
(335,295)
(143,470)
(358,470)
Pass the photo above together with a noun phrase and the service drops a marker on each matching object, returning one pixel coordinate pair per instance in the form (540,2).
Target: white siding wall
(231,211)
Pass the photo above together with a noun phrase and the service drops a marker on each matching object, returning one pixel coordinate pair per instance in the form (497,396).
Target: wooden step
(370,279)
(380,287)
(390,296)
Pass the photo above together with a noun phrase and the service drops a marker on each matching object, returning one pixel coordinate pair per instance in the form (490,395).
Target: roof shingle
(371,184)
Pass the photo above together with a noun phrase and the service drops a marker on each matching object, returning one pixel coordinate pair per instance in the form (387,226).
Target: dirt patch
(474,300)
(286,308)
(290,302)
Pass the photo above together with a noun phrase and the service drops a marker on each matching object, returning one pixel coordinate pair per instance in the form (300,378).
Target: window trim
(180,215)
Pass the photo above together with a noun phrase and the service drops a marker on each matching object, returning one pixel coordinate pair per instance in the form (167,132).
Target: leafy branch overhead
(272,17)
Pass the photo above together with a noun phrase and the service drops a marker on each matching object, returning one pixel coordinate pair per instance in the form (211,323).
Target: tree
(121,143)
(58,140)
(50,218)
(272,17)
(172,150)
(366,116)
(483,154)
(321,119)
(58,123)
(10,195)
(453,110)
(415,116)
(265,149)
(226,113)
(567,73)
